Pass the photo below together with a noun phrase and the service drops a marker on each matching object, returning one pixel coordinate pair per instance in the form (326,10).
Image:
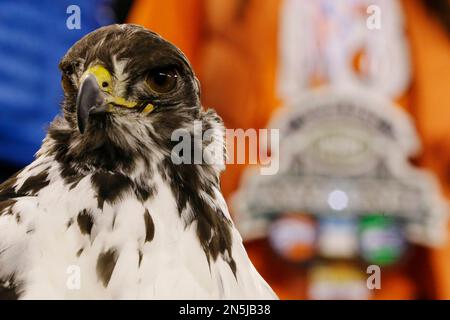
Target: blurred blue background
(33,38)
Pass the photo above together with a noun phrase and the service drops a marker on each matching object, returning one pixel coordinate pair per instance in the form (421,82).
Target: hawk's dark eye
(162,80)
(69,70)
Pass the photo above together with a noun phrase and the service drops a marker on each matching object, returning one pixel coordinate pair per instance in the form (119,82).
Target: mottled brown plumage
(104,195)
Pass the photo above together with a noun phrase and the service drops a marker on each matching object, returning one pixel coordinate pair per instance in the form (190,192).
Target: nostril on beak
(89,97)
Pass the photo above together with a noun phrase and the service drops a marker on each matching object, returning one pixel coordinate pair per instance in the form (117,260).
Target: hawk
(104,212)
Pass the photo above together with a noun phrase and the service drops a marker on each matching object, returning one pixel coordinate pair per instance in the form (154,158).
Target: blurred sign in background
(359,92)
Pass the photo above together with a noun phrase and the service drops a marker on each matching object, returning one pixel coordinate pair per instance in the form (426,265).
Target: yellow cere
(102,75)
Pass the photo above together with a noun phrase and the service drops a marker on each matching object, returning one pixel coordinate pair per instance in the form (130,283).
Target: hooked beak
(90,100)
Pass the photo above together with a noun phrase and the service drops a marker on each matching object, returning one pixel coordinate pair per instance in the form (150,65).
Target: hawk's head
(126,90)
